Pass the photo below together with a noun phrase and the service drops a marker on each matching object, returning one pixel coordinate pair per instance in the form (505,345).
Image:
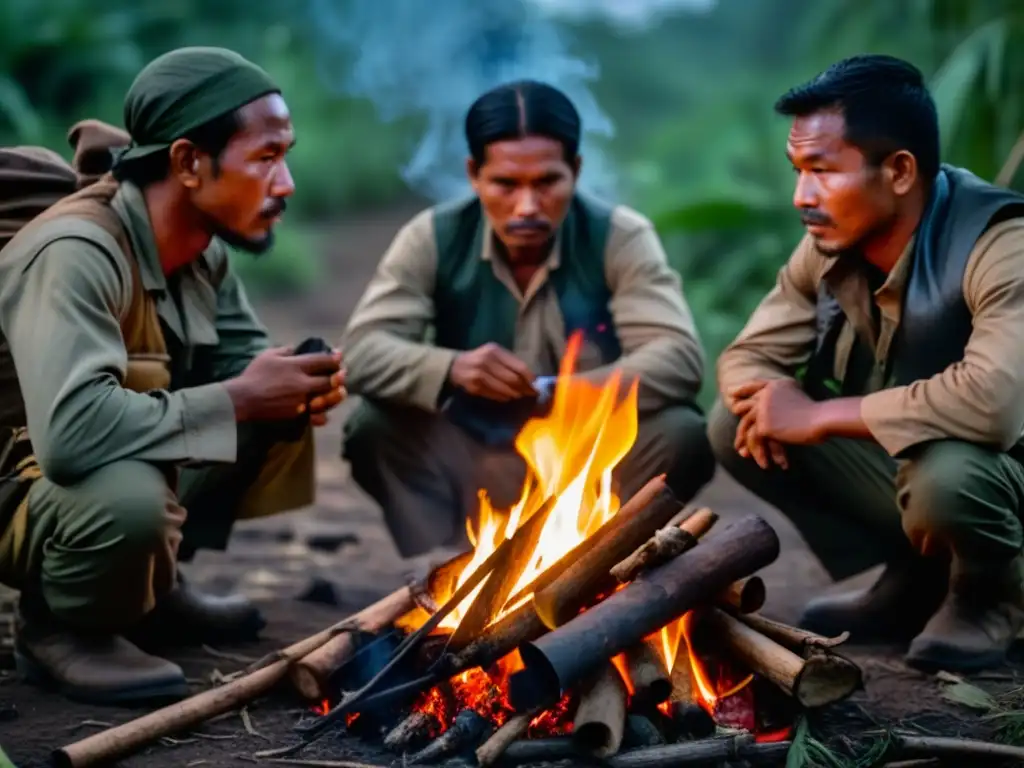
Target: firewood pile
(646,635)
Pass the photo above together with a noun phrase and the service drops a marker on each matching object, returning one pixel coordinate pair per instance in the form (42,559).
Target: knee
(689,461)
(940,489)
(134,501)
(722,436)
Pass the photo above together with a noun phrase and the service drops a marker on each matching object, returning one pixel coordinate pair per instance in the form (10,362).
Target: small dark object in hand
(294,429)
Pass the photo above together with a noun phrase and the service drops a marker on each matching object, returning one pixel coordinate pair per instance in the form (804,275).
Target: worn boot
(892,610)
(94,667)
(186,616)
(977,622)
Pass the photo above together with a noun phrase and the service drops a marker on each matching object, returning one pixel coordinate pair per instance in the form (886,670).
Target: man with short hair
(504,279)
(874,396)
(145,406)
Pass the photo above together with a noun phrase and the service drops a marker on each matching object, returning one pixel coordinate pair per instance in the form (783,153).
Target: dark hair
(519,109)
(885,103)
(211,137)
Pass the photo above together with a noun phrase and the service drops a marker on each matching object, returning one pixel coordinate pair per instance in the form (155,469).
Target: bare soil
(341,541)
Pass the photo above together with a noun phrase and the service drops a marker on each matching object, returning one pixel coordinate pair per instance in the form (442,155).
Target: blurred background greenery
(689,92)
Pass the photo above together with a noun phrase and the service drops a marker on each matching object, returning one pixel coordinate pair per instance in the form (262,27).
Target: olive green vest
(473,307)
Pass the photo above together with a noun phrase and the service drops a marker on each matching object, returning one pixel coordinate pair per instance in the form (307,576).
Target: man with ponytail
(503,279)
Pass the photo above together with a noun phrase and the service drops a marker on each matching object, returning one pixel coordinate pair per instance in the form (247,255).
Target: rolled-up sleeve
(60,312)
(979,398)
(779,336)
(387,356)
(661,348)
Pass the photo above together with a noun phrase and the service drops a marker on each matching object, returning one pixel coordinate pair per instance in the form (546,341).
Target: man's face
(842,199)
(245,195)
(525,187)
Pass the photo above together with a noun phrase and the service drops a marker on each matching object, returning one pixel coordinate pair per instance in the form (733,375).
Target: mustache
(814,218)
(276,207)
(528,225)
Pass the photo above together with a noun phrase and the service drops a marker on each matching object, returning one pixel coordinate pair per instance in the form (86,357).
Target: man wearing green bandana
(144,406)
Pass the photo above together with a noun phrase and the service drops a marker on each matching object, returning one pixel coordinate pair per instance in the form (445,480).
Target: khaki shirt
(388,357)
(60,315)
(979,399)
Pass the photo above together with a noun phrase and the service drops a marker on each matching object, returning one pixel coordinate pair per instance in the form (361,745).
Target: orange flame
(709,691)
(571,452)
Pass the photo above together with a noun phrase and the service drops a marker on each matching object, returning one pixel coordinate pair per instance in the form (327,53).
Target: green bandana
(185,88)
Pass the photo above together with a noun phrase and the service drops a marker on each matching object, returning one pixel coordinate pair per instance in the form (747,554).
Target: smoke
(432,59)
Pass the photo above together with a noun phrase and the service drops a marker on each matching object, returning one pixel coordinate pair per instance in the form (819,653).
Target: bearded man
(145,407)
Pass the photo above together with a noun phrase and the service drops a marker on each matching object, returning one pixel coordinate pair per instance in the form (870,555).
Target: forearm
(385,367)
(841,417)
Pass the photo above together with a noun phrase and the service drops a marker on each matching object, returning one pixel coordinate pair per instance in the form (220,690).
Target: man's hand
(280,385)
(772,414)
(493,372)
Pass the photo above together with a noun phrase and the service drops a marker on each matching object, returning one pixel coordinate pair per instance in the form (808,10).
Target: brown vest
(148,361)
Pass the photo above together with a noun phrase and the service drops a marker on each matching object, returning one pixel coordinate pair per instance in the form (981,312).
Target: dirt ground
(342,541)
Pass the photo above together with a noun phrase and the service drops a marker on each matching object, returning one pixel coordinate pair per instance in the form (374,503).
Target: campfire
(578,624)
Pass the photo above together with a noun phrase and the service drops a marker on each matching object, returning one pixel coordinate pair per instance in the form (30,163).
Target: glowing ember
(571,451)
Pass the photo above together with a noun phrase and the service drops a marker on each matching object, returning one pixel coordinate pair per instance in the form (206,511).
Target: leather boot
(977,622)
(186,616)
(892,610)
(93,667)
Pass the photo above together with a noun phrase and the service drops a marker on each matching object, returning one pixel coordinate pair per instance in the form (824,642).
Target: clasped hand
(773,413)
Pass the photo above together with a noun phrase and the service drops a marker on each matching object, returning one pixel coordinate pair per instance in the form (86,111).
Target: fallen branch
(704,751)
(667,543)
(906,746)
(308,673)
(797,640)
(821,678)
(514,728)
(601,715)
(123,740)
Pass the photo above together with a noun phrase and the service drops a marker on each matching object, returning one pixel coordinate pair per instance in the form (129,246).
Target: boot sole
(35,673)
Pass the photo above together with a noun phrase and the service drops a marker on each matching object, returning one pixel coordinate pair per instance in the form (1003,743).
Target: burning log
(558,660)
(310,674)
(641,732)
(648,674)
(820,679)
(688,716)
(746,595)
(514,728)
(528,751)
(667,543)
(647,511)
(467,730)
(413,731)
(798,640)
(601,714)
(125,739)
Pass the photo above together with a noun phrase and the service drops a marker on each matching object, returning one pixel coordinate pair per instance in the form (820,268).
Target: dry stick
(703,752)
(489,601)
(514,728)
(601,715)
(818,680)
(745,596)
(342,646)
(798,640)
(411,730)
(667,542)
(648,673)
(946,747)
(353,698)
(125,739)
(651,507)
